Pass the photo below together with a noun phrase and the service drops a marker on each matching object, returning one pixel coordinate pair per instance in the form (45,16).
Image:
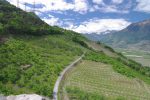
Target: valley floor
(100,80)
(142,57)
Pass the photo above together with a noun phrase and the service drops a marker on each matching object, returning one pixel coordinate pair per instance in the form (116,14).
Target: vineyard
(101,79)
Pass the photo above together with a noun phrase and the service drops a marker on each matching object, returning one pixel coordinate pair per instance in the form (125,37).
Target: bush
(80,41)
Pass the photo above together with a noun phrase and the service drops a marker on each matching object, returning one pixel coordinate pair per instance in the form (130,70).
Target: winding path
(56,87)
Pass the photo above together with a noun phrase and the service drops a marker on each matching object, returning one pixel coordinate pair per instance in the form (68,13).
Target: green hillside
(33,54)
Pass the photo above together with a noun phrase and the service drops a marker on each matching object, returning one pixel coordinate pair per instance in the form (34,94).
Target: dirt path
(60,77)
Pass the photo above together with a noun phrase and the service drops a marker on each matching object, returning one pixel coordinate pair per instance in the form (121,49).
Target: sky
(88,16)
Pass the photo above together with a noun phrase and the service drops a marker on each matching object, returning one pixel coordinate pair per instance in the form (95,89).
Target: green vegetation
(124,66)
(15,21)
(80,41)
(28,66)
(32,53)
(105,46)
(97,78)
(77,94)
(102,78)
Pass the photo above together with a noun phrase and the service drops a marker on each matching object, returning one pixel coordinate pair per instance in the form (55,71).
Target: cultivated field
(99,78)
(142,57)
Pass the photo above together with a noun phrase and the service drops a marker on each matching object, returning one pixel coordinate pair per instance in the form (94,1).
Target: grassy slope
(101,47)
(32,64)
(32,53)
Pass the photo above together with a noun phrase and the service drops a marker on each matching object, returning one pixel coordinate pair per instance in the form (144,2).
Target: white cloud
(143,6)
(100,25)
(53,21)
(80,6)
(108,9)
(94,8)
(98,2)
(21,4)
(57,5)
(117,1)
(69,25)
(113,1)
(113,9)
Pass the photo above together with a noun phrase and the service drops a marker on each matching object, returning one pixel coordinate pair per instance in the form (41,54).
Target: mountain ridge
(134,34)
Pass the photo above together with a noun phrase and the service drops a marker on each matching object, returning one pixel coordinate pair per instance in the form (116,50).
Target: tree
(1,28)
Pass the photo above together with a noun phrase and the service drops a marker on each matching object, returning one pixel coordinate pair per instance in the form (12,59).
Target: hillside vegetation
(99,77)
(29,66)
(122,65)
(33,54)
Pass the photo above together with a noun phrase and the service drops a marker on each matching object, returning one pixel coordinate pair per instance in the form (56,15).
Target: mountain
(94,36)
(135,36)
(98,36)
(32,53)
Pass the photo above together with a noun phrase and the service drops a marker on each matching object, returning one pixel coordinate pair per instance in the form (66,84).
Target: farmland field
(101,79)
(142,57)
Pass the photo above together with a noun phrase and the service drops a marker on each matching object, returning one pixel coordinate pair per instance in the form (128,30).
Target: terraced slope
(101,79)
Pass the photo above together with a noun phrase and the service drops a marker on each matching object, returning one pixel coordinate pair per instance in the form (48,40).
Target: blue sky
(89,16)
